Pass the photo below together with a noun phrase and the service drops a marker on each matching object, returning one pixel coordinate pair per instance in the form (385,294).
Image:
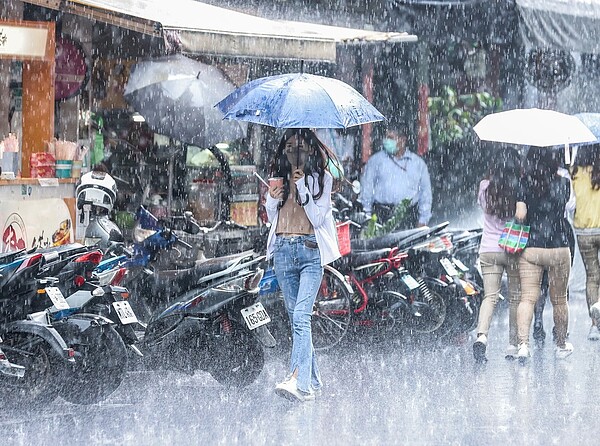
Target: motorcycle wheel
(101,365)
(332,313)
(432,315)
(458,318)
(42,364)
(237,357)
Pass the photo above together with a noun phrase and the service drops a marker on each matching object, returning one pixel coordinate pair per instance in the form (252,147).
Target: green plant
(453,116)
(374,230)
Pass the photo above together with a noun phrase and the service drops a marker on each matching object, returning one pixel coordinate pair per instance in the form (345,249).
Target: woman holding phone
(302,239)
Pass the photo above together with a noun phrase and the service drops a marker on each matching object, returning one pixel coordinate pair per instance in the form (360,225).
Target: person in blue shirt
(394,174)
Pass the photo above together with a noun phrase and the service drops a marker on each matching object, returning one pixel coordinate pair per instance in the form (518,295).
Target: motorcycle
(35,356)
(202,314)
(100,355)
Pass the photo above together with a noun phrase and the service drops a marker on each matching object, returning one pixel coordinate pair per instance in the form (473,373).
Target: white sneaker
(594,333)
(288,389)
(479,348)
(595,313)
(523,353)
(511,352)
(563,352)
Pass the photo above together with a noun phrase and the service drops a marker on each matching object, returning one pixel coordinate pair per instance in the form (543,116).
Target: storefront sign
(23,42)
(35,223)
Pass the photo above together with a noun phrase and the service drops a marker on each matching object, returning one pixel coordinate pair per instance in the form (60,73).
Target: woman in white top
(302,239)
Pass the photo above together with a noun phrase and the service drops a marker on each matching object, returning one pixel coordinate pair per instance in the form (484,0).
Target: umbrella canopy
(533,127)
(299,100)
(592,122)
(175,95)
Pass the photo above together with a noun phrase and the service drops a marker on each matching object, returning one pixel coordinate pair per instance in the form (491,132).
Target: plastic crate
(343,234)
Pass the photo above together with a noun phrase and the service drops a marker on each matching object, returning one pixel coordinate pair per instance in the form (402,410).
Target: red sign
(71,68)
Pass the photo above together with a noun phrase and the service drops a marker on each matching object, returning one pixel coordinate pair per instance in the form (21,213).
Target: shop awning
(571,25)
(208,29)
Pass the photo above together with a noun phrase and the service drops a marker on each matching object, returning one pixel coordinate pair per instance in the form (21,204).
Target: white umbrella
(533,127)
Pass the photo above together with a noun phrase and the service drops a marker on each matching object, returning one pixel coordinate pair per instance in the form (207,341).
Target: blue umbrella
(592,122)
(299,100)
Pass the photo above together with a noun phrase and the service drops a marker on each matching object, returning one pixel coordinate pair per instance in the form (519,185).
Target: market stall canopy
(571,25)
(208,29)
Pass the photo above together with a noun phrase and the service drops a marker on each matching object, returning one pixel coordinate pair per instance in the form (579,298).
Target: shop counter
(37,212)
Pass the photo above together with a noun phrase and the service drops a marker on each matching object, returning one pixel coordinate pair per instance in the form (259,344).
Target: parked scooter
(35,356)
(428,256)
(196,314)
(85,319)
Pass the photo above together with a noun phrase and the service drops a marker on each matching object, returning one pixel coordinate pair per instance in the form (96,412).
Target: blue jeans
(299,273)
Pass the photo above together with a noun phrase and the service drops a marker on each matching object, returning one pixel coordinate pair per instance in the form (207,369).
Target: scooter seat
(9,257)
(203,268)
(212,266)
(363,257)
(64,251)
(387,240)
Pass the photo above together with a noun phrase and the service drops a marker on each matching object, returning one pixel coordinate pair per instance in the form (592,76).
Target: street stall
(172,172)
(33,211)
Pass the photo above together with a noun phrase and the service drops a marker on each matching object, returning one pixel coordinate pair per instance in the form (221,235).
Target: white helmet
(97,189)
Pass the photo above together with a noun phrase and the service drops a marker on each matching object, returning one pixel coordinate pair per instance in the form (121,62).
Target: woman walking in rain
(586,184)
(541,203)
(301,241)
(497,197)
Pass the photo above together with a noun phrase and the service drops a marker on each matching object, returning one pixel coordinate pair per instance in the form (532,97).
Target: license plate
(57,298)
(410,281)
(449,267)
(460,265)
(255,316)
(125,312)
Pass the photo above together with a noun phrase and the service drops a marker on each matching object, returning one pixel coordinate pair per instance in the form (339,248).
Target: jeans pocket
(310,244)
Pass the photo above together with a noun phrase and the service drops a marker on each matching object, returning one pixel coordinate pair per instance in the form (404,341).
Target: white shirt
(319,213)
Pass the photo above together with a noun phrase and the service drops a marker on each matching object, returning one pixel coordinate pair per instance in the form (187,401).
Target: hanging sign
(71,68)
(23,42)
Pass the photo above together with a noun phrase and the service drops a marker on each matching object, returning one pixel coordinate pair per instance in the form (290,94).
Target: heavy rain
(299,222)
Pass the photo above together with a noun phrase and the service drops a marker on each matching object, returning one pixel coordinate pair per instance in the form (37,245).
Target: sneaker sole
(290,396)
(564,355)
(479,349)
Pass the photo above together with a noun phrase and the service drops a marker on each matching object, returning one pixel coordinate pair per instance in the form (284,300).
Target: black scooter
(199,314)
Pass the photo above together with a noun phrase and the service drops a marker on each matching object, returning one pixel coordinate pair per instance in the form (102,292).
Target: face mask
(390,146)
(293,158)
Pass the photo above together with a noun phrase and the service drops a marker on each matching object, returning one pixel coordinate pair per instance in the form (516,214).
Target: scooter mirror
(115,236)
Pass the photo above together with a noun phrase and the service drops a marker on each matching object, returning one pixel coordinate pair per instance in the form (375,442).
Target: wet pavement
(389,393)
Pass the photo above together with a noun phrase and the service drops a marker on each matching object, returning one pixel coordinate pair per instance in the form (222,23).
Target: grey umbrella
(176,95)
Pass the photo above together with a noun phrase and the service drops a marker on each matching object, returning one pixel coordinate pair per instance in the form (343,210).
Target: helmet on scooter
(97,189)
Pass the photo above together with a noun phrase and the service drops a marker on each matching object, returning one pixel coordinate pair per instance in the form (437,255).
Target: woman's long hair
(316,162)
(505,172)
(589,156)
(542,168)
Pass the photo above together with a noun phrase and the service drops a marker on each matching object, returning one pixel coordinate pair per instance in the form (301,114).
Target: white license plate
(255,316)
(57,298)
(125,312)
(449,267)
(410,281)
(460,265)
